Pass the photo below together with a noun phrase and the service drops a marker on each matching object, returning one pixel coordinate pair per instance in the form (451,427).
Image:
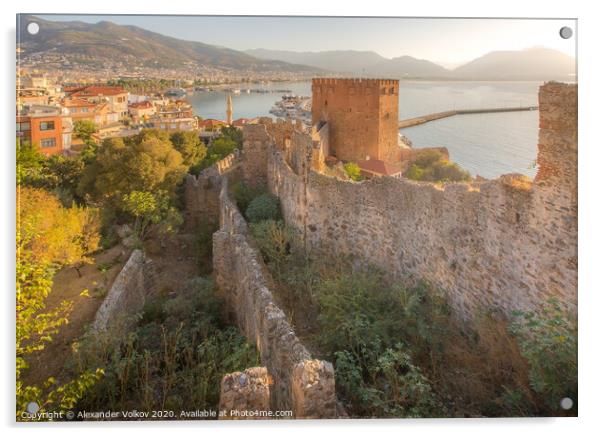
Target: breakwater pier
(437,116)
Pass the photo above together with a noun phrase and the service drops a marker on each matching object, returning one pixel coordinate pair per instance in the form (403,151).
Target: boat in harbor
(293,107)
(175,92)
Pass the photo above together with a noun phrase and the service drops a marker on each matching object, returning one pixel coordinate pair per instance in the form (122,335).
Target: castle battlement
(356,81)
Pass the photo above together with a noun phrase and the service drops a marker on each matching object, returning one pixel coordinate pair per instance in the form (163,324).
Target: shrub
(353,171)
(390,386)
(263,207)
(549,343)
(432,166)
(243,194)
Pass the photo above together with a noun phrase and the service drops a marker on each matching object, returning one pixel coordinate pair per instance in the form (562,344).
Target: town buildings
(115,96)
(46,127)
(174,115)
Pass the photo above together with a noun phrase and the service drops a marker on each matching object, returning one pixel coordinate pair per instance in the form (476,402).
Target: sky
(449,42)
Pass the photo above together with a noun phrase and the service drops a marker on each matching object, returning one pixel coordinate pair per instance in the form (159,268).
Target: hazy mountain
(106,41)
(528,64)
(334,60)
(407,66)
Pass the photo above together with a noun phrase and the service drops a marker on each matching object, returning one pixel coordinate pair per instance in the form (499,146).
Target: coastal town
(48,111)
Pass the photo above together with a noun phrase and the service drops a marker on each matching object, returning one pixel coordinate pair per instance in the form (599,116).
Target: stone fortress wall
(509,242)
(300,383)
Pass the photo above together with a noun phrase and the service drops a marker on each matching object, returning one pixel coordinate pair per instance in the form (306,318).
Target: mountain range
(106,42)
(530,64)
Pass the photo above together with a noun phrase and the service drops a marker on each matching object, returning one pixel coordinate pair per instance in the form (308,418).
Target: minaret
(229,110)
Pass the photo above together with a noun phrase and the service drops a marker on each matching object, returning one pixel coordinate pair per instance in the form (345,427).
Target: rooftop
(376,166)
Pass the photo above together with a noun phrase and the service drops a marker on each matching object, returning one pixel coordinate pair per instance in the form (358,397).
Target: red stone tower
(362,115)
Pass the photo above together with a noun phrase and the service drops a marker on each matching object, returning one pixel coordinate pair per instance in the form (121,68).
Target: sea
(487,145)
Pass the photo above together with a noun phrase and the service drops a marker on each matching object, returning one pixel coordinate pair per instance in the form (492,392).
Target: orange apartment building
(44,127)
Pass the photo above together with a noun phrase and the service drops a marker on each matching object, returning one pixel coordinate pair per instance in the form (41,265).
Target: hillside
(332,60)
(109,42)
(357,62)
(407,66)
(528,64)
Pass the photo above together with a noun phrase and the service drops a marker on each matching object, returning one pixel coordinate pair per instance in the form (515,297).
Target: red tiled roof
(97,90)
(141,105)
(378,167)
(240,122)
(76,102)
(210,122)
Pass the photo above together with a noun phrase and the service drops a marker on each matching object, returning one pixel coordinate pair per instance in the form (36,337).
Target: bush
(390,386)
(549,343)
(353,171)
(263,207)
(243,194)
(432,166)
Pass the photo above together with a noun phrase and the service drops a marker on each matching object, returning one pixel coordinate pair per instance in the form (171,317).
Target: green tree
(48,236)
(146,162)
(190,147)
(29,163)
(233,134)
(150,208)
(84,129)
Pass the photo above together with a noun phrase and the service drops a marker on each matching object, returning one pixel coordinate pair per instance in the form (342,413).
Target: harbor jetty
(437,116)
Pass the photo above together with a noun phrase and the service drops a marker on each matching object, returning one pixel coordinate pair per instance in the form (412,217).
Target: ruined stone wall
(130,290)
(507,242)
(247,391)
(201,192)
(300,384)
(362,115)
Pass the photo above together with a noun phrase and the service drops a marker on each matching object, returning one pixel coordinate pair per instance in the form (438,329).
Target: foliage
(48,236)
(432,166)
(151,208)
(52,234)
(549,343)
(190,146)
(353,171)
(233,134)
(84,129)
(390,386)
(263,207)
(230,139)
(29,163)
(57,173)
(173,359)
(243,194)
(146,162)
(144,85)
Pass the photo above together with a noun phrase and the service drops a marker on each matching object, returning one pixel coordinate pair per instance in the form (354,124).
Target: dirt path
(97,278)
